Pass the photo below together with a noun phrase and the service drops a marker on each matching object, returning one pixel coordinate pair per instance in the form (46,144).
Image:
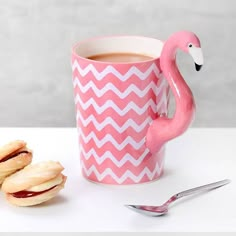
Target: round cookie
(34,184)
(13,157)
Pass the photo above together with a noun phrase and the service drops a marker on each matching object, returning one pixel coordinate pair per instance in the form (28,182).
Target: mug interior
(119,44)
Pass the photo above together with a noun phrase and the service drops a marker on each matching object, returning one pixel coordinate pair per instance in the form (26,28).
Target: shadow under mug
(121,108)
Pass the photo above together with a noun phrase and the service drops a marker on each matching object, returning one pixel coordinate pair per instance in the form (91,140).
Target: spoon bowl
(149,210)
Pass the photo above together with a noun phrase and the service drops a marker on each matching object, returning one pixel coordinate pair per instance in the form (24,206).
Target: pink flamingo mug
(121,107)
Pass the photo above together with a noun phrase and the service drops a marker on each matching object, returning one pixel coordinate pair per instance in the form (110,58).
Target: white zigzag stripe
(126,175)
(109,121)
(110,104)
(108,155)
(108,138)
(111,87)
(110,69)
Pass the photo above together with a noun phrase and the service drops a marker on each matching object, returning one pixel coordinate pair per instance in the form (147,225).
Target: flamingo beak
(196,53)
(198,67)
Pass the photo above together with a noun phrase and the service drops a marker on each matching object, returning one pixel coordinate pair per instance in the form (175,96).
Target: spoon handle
(201,188)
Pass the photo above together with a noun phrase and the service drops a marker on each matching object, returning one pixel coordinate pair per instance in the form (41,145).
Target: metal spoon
(163,209)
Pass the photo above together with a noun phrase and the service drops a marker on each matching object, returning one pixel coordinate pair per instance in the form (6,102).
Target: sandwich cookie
(34,184)
(13,157)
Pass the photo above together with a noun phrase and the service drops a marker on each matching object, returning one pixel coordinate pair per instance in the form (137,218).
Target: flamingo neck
(184,102)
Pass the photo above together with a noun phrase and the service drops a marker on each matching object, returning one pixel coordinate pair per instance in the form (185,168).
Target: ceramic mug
(121,108)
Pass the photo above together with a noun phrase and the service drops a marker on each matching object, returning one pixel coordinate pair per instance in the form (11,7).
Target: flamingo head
(189,42)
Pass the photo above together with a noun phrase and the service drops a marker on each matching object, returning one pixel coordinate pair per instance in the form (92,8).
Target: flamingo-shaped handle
(164,129)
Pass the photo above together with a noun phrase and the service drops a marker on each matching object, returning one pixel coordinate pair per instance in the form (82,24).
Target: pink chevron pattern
(115,105)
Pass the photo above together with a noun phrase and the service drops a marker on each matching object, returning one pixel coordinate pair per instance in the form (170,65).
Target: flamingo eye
(190,45)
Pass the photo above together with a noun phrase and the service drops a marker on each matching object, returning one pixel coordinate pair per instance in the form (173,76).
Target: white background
(191,160)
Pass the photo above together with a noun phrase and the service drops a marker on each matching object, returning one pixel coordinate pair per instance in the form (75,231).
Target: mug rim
(93,39)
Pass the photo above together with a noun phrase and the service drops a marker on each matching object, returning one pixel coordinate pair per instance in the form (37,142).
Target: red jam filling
(12,156)
(25,194)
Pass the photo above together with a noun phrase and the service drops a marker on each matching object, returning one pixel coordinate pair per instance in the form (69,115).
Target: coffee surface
(120,57)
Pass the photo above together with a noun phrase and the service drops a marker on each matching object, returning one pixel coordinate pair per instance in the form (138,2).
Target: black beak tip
(198,67)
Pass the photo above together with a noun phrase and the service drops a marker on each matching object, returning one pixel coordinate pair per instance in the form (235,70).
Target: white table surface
(198,157)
